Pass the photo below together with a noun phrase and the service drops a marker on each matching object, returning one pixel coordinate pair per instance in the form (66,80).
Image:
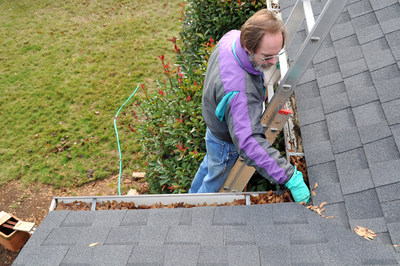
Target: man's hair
(257,25)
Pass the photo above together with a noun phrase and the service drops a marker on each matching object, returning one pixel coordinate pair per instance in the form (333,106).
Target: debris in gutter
(365,232)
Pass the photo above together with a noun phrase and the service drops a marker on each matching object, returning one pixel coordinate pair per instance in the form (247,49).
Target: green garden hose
(119,146)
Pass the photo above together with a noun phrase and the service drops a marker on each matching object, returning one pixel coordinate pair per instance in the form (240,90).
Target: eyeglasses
(272,56)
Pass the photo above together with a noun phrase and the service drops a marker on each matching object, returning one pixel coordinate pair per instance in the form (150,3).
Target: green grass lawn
(66,67)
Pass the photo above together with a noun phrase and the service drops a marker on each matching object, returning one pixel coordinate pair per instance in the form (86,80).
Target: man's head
(262,36)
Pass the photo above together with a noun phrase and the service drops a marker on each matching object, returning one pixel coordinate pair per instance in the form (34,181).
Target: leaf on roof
(94,244)
(365,232)
(313,190)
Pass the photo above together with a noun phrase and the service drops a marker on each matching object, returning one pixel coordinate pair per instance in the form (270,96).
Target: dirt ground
(32,203)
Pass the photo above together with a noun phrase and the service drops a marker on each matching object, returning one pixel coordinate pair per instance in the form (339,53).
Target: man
(232,106)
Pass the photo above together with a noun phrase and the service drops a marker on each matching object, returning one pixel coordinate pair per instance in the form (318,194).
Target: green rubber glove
(298,188)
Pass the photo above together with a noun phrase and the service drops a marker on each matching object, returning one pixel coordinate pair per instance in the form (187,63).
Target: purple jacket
(232,81)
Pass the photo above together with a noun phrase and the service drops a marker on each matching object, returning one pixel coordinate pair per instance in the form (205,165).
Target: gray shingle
(275,255)
(348,54)
(394,230)
(153,235)
(164,217)
(98,255)
(360,89)
(315,132)
(123,235)
(387,82)
(203,216)
(381,151)
(52,255)
(391,210)
(355,181)
(332,90)
(54,218)
(258,214)
(276,234)
(213,256)
(319,152)
(391,108)
(377,54)
(186,217)
(350,44)
(243,255)
(306,234)
(308,103)
(151,255)
(310,116)
(182,235)
(342,30)
(305,255)
(363,205)
(135,217)
(339,212)
(308,76)
(334,103)
(81,218)
(377,225)
(389,18)
(108,218)
(181,255)
(386,172)
(351,160)
(393,40)
(229,215)
(330,79)
(359,8)
(367,28)
(211,235)
(353,67)
(373,132)
(326,67)
(379,4)
(306,91)
(324,173)
(331,193)
(239,235)
(76,236)
(288,214)
(396,135)
(342,119)
(344,139)
(367,114)
(324,54)
(38,237)
(389,192)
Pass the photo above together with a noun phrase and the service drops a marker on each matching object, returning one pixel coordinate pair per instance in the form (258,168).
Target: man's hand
(298,188)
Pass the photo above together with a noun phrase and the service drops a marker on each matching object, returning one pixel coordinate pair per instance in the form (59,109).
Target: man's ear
(247,50)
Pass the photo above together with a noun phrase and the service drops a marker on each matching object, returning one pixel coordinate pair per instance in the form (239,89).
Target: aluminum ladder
(274,118)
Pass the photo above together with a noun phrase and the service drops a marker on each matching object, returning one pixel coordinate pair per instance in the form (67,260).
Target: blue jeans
(216,165)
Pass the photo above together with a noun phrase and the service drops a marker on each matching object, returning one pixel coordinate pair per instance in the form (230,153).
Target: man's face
(270,45)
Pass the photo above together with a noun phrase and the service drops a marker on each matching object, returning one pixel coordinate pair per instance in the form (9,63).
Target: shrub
(172,135)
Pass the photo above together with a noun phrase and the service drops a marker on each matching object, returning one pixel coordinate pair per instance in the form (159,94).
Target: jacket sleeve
(243,115)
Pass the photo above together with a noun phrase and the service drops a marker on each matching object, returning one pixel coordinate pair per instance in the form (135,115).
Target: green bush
(172,135)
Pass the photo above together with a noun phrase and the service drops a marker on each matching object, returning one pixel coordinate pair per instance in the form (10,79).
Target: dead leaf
(97,112)
(315,186)
(94,244)
(396,245)
(365,232)
(313,193)
(322,204)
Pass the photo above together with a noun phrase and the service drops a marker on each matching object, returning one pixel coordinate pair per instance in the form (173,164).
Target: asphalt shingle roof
(238,235)
(352,144)
(348,107)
